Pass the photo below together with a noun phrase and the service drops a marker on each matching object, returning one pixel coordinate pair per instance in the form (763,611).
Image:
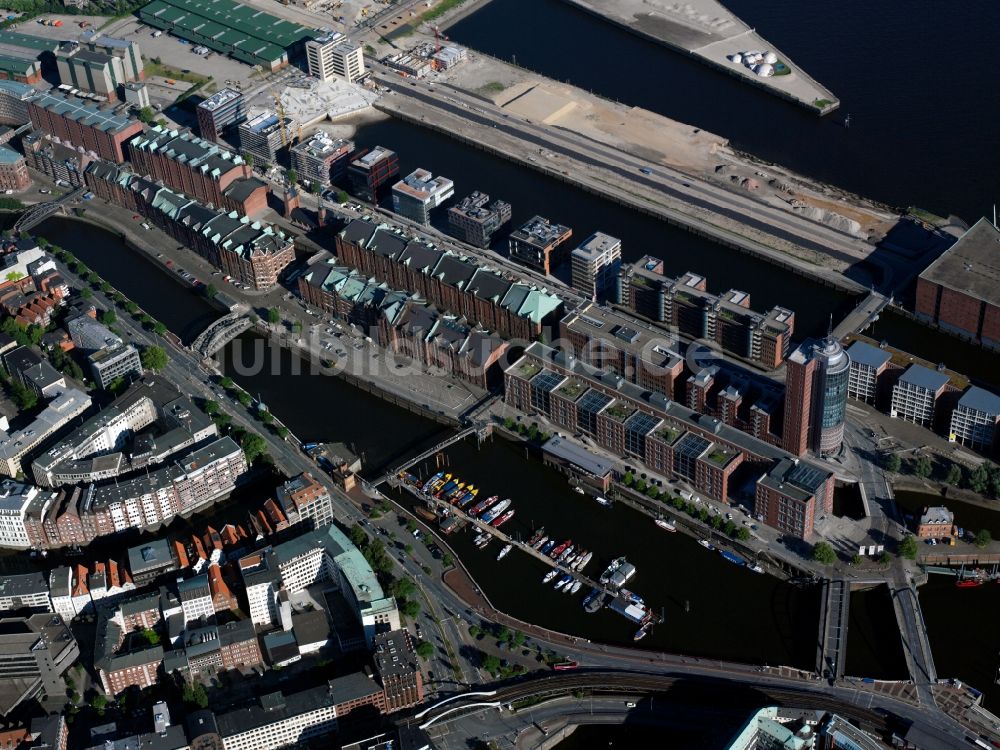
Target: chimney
(291,201)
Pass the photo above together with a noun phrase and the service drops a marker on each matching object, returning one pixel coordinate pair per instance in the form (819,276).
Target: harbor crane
(278,106)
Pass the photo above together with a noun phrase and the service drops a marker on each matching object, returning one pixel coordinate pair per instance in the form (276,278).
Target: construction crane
(278,106)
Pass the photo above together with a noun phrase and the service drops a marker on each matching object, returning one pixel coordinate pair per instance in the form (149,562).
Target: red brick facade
(107,145)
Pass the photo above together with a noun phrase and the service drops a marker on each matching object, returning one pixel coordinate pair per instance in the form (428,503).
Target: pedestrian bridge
(41,211)
(831,653)
(862,316)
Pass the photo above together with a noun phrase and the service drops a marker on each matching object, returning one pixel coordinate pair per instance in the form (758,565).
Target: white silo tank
(770,58)
(764,70)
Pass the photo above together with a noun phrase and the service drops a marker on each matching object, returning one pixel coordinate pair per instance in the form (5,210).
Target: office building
(399,670)
(66,404)
(416,194)
(370,170)
(24,591)
(454,283)
(960,291)
(686,304)
(251,252)
(868,364)
(670,439)
(322,159)
(915,395)
(303,499)
(975,422)
(83,124)
(35,651)
(136,94)
(13,171)
(264,134)
(262,582)
(475,220)
(536,242)
(196,597)
(595,265)
(816,379)
(219,112)
(205,171)
(108,356)
(334,56)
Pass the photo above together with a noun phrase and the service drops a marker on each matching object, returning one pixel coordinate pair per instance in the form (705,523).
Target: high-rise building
(535,243)
(416,194)
(976,419)
(322,158)
(333,56)
(595,264)
(816,381)
(370,170)
(220,111)
(264,135)
(475,222)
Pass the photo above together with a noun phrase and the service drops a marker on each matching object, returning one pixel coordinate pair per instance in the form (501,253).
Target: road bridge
(862,316)
(831,649)
(913,632)
(220,333)
(481,430)
(41,211)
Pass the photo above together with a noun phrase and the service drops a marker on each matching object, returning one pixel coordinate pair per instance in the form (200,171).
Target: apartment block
(595,265)
(475,220)
(399,670)
(322,158)
(915,395)
(302,498)
(218,113)
(418,193)
(975,422)
(536,243)
(868,364)
(816,381)
(369,171)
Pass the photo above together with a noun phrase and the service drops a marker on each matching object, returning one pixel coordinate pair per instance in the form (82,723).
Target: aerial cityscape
(537,374)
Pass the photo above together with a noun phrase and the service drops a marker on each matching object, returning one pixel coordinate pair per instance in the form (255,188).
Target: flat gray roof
(922,377)
(980,400)
(866,354)
(579,456)
(971,265)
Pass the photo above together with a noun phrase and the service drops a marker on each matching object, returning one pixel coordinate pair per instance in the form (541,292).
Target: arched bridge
(220,333)
(41,211)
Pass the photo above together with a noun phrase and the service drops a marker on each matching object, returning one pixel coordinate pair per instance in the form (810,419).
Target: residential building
(220,112)
(868,364)
(670,439)
(535,243)
(83,124)
(196,598)
(370,170)
(262,581)
(960,291)
(915,395)
(475,220)
(398,670)
(202,170)
(322,158)
(22,508)
(334,56)
(223,598)
(481,295)
(595,265)
(935,522)
(816,379)
(264,134)
(302,498)
(24,591)
(416,194)
(686,304)
(280,720)
(13,171)
(25,366)
(251,252)
(35,651)
(975,422)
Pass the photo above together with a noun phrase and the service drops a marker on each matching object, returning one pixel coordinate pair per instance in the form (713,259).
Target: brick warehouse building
(457,284)
(203,170)
(83,123)
(959,291)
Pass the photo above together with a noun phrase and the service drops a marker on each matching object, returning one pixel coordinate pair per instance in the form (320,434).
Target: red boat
(968,583)
(497,523)
(560,549)
(483,505)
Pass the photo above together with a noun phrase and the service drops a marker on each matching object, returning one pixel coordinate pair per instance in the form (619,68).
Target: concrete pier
(706,30)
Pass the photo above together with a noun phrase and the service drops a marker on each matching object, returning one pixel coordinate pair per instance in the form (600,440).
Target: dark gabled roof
(387,244)
(488,285)
(417,256)
(243,188)
(358,232)
(454,271)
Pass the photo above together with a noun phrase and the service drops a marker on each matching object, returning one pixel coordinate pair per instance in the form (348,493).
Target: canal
(914,122)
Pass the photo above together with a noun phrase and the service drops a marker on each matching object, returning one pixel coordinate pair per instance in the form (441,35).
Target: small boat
(563,581)
(609,571)
(486,543)
(429,484)
(547,547)
(569,586)
(665,524)
(468,497)
(426,514)
(503,519)
(536,536)
(479,538)
(578,490)
(733,558)
(456,492)
(550,575)
(641,633)
(632,597)
(505,551)
(565,554)
(706,544)
(575,587)
(560,549)
(582,562)
(540,543)
(968,583)
(483,505)
(603,501)
(496,511)
(570,559)
(597,600)
(755,567)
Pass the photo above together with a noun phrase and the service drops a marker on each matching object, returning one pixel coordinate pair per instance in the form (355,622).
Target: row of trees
(374,551)
(984,479)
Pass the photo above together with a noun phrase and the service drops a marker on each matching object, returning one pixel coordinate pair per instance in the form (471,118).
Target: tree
(908,547)
(151,636)
(447,560)
(475,631)
(979,478)
(117,385)
(211,408)
(146,114)
(226,382)
(491,663)
(743,533)
(857,559)
(923,467)
(315,188)
(892,463)
(248,158)
(342,196)
(99,702)
(154,358)
(159,329)
(273,315)
(211,290)
(293,176)
(425,650)
(296,326)
(13,275)
(410,608)
(823,553)
(244,398)
(253,446)
(983,538)
(629,479)
(109,317)
(357,536)
(194,695)
(955,475)
(24,397)
(131,308)
(86,293)
(402,588)
(281,431)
